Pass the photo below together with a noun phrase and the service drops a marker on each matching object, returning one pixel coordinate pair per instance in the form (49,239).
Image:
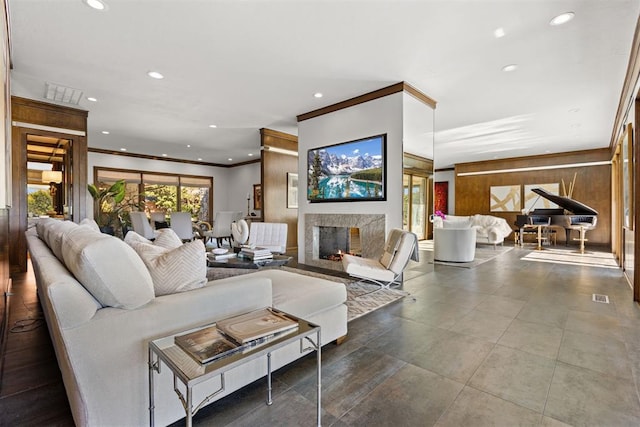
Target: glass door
(414,201)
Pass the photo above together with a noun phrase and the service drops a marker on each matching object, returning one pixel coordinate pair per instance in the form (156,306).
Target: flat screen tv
(348,172)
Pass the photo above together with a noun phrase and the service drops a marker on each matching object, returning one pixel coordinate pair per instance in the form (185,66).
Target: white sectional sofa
(489,229)
(102,310)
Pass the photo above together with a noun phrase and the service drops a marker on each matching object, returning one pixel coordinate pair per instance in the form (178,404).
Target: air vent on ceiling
(59,93)
(600,298)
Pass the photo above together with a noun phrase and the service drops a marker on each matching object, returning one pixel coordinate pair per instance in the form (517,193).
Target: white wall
(240,182)
(449,176)
(221,189)
(383,115)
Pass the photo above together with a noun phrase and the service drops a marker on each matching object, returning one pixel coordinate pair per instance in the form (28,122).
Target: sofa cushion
(108,268)
(174,270)
(88,222)
(55,234)
(303,296)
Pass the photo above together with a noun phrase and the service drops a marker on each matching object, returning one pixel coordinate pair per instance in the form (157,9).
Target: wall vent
(59,93)
(600,298)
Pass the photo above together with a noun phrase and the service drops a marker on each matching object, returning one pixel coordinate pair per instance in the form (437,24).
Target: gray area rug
(361,298)
(484,253)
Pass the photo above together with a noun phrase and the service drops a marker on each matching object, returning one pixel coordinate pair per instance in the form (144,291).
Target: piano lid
(566,203)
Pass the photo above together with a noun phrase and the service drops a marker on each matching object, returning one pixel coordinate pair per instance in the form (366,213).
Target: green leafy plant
(111,206)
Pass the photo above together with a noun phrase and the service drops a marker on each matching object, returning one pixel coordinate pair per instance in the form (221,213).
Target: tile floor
(510,342)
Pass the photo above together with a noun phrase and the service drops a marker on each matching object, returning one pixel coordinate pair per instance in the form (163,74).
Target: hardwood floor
(31,389)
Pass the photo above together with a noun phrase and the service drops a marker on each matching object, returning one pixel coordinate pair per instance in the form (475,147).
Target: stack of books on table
(219,257)
(256,254)
(236,334)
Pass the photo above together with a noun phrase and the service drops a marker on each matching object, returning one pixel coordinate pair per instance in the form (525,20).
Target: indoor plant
(111,206)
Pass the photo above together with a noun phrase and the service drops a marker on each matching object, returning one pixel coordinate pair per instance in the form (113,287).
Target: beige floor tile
(580,396)
(483,325)
(479,409)
(516,376)
(535,338)
(606,355)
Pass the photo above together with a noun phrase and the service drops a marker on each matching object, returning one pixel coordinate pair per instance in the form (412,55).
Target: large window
(164,192)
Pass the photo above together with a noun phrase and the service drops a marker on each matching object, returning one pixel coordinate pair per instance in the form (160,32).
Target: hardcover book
(256,324)
(206,345)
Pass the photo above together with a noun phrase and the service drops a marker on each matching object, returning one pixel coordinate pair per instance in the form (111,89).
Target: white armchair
(270,235)
(454,244)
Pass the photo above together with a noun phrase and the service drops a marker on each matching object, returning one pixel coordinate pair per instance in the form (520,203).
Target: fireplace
(326,234)
(333,242)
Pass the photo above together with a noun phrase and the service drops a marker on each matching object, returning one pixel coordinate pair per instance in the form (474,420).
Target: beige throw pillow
(174,270)
(167,238)
(107,267)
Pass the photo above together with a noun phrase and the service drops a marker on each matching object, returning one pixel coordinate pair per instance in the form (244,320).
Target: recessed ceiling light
(213,126)
(563,18)
(230,159)
(499,32)
(317,95)
(510,67)
(155,75)
(95,4)
(105,132)
(92,99)
(164,154)
(199,159)
(188,145)
(123,149)
(250,154)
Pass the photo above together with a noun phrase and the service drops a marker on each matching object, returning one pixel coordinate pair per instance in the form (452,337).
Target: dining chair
(140,224)
(181,223)
(221,229)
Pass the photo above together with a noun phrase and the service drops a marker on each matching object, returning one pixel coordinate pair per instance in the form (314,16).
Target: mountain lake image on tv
(349,171)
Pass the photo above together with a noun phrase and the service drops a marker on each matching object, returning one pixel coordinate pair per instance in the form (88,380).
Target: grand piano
(580,217)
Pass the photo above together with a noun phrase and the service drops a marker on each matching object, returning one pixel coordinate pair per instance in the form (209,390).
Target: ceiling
(243,65)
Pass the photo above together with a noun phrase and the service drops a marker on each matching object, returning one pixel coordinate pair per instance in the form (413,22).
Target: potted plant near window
(111,208)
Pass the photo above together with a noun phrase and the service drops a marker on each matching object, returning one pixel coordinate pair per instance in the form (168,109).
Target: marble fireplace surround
(372,235)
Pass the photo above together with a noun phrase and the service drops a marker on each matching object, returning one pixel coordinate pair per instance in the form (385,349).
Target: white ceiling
(248,64)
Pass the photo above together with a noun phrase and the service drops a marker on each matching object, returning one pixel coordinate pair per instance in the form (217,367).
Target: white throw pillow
(167,238)
(108,268)
(174,270)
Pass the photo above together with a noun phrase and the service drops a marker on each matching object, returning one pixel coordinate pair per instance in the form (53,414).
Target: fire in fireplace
(336,241)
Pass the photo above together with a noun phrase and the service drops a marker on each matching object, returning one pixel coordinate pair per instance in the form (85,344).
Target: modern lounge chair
(182,225)
(401,246)
(140,224)
(269,235)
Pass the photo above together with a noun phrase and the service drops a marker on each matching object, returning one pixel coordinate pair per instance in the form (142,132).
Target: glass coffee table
(191,373)
(239,262)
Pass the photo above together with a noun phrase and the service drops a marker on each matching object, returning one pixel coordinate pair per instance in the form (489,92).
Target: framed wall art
(257,197)
(292,190)
(505,198)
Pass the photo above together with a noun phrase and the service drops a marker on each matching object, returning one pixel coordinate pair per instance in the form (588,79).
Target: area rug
(483,254)
(362,298)
(572,257)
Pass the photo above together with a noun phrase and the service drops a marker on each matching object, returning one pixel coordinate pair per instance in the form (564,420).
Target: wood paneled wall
(4,276)
(274,181)
(592,186)
(56,119)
